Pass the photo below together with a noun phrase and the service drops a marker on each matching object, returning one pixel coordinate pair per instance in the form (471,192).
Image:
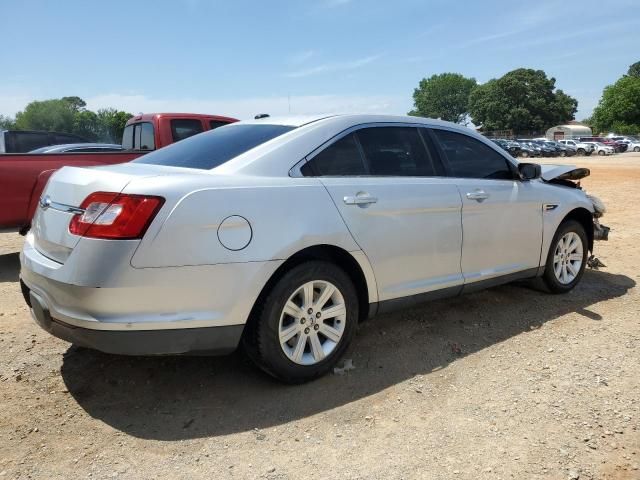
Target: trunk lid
(563,172)
(66,190)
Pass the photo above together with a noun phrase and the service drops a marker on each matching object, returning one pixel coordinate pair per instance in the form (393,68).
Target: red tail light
(115,215)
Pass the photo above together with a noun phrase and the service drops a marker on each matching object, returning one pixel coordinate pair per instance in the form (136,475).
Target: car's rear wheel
(305,323)
(636,149)
(581,151)
(567,257)
(524,154)
(601,153)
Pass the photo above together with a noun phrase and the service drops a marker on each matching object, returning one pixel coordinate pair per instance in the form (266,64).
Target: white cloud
(248,107)
(301,57)
(333,67)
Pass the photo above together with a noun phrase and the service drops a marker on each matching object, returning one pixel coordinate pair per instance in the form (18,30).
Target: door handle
(478,195)
(360,198)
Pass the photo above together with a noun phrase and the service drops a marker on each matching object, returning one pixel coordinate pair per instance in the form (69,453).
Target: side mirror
(529,171)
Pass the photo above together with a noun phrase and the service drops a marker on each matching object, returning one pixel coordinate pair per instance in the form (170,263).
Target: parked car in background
(602,149)
(23,141)
(544,150)
(183,250)
(580,147)
(633,144)
(512,147)
(562,149)
(616,145)
(80,148)
(23,176)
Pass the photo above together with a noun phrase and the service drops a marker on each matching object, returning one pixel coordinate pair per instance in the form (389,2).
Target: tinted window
(22,142)
(470,158)
(341,158)
(127,138)
(185,128)
(213,148)
(146,137)
(395,151)
(216,123)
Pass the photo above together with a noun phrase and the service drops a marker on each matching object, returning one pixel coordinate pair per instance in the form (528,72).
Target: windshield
(213,148)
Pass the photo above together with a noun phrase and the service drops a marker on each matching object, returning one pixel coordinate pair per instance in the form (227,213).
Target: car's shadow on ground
(9,267)
(170,398)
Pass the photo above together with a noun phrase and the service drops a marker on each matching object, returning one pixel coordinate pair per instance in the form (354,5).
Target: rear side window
(147,141)
(61,139)
(127,138)
(185,128)
(395,151)
(470,158)
(342,158)
(215,147)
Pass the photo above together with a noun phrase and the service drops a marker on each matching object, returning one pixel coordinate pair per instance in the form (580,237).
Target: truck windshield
(213,148)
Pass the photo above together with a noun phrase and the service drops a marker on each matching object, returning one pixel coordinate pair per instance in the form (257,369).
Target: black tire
(581,151)
(636,149)
(549,276)
(262,343)
(601,153)
(588,154)
(524,154)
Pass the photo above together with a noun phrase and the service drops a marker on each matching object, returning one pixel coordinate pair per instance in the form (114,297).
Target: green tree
(112,124)
(7,123)
(521,100)
(619,107)
(50,115)
(634,70)
(444,96)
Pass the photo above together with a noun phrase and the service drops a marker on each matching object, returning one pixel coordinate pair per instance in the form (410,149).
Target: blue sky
(244,57)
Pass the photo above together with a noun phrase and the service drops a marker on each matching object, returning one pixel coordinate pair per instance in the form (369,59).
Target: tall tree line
(69,115)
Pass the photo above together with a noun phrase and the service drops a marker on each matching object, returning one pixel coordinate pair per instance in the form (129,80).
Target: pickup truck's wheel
(305,323)
(567,257)
(581,151)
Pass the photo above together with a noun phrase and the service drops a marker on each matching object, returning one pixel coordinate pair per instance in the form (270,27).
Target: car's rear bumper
(218,340)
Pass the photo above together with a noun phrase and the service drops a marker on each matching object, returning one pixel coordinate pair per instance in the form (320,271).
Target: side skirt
(401,303)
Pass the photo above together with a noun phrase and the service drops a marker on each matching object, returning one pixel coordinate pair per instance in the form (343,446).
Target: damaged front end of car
(570,176)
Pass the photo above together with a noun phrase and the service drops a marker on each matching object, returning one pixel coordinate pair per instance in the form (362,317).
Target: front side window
(184,128)
(470,158)
(395,151)
(213,148)
(342,158)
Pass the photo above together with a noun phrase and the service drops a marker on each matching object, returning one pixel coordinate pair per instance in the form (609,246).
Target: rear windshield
(215,147)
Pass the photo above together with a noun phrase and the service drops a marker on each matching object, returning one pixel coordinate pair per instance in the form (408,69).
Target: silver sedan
(281,235)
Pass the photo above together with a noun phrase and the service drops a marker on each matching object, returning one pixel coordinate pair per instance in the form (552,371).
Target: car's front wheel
(567,257)
(636,149)
(305,322)
(601,153)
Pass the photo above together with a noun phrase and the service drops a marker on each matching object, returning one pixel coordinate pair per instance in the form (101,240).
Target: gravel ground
(505,383)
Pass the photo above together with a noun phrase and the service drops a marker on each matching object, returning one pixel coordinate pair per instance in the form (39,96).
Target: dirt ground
(501,384)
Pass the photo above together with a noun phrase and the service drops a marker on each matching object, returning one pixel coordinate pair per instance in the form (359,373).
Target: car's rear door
(501,215)
(385,182)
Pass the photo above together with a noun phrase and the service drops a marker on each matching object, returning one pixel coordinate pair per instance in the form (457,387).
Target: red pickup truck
(24,175)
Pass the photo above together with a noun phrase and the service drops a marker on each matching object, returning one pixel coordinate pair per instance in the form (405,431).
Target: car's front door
(384,181)
(501,215)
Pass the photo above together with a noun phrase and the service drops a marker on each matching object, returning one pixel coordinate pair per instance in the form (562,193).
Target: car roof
(355,118)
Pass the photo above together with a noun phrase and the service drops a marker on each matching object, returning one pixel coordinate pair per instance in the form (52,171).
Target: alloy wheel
(567,258)
(312,322)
